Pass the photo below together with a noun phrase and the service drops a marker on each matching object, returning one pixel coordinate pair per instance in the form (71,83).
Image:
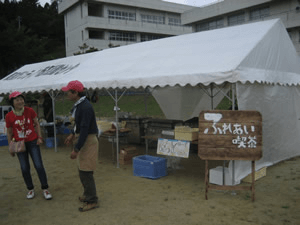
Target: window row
(219,23)
(122,36)
(121,15)
(150,37)
(153,19)
(234,19)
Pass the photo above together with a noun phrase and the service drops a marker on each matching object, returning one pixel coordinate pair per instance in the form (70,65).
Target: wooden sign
(230,135)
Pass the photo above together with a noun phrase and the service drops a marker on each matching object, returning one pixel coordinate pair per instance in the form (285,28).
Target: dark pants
(33,150)
(89,186)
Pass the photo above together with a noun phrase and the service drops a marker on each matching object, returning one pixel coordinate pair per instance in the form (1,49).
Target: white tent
(258,58)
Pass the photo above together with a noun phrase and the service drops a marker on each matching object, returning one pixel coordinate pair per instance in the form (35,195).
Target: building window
(236,19)
(96,34)
(153,19)
(95,10)
(122,36)
(290,34)
(219,23)
(259,13)
(299,36)
(121,15)
(174,21)
(150,37)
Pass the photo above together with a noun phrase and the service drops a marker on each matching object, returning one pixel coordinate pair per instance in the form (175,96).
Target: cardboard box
(128,150)
(126,155)
(186,133)
(258,174)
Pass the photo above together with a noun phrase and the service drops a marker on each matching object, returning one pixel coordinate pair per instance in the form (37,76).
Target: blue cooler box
(149,166)
(3,140)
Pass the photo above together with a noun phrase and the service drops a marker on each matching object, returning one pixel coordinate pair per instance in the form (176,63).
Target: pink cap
(15,94)
(74,85)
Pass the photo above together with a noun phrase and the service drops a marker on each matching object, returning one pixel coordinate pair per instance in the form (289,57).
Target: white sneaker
(30,194)
(47,194)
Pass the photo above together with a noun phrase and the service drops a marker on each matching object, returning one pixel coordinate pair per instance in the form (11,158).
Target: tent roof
(261,52)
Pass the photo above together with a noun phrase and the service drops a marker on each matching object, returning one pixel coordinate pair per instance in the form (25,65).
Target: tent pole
(212,107)
(233,108)
(51,93)
(117,127)
(212,96)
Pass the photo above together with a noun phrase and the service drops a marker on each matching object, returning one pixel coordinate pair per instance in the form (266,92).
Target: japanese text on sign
(244,139)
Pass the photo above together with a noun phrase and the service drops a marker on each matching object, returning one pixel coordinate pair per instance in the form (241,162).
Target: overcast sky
(186,2)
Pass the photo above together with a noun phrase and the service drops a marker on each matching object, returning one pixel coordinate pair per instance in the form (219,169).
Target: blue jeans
(33,150)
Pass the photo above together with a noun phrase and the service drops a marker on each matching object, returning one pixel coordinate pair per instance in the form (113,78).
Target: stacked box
(126,155)
(3,140)
(258,174)
(149,166)
(186,133)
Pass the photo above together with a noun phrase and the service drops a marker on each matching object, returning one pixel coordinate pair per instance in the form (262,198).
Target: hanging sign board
(173,147)
(230,135)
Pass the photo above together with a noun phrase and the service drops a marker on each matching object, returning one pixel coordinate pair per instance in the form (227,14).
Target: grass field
(105,106)
(136,105)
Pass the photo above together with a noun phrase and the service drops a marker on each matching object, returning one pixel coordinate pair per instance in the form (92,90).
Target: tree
(29,33)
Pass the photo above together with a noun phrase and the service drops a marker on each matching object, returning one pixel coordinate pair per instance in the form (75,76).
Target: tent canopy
(259,58)
(251,52)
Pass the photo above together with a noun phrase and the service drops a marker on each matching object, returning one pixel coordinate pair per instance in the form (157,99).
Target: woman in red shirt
(22,124)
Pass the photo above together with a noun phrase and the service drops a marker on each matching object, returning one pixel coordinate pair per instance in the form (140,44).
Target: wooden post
(206,178)
(253,181)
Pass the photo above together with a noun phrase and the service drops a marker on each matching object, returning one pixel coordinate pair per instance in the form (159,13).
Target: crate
(258,174)
(3,140)
(186,133)
(50,142)
(149,166)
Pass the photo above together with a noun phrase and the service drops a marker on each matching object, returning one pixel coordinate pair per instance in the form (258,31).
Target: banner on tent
(230,135)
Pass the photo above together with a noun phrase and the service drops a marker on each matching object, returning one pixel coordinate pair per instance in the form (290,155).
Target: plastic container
(149,166)
(50,142)
(3,140)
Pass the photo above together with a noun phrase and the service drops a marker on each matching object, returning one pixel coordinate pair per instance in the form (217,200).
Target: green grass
(105,106)
(135,105)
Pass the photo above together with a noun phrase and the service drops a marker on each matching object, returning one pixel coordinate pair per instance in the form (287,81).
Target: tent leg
(51,93)
(233,108)
(117,128)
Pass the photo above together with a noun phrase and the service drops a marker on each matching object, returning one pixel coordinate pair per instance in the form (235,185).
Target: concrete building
(234,12)
(108,23)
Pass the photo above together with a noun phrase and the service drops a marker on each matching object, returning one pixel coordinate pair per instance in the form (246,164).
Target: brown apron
(88,154)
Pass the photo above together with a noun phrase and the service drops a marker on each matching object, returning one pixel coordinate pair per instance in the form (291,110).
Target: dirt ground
(178,198)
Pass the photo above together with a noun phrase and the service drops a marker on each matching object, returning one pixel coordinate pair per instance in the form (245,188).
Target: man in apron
(84,137)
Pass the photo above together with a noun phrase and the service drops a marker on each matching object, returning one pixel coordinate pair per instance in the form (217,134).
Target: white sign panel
(173,147)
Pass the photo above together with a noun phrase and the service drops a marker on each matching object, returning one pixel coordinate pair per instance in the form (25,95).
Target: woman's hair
(80,94)
(11,101)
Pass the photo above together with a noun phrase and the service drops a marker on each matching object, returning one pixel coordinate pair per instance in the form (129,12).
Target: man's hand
(73,155)
(69,139)
(12,154)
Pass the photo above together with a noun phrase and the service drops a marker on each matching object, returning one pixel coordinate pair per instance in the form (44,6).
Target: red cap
(74,85)
(15,94)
